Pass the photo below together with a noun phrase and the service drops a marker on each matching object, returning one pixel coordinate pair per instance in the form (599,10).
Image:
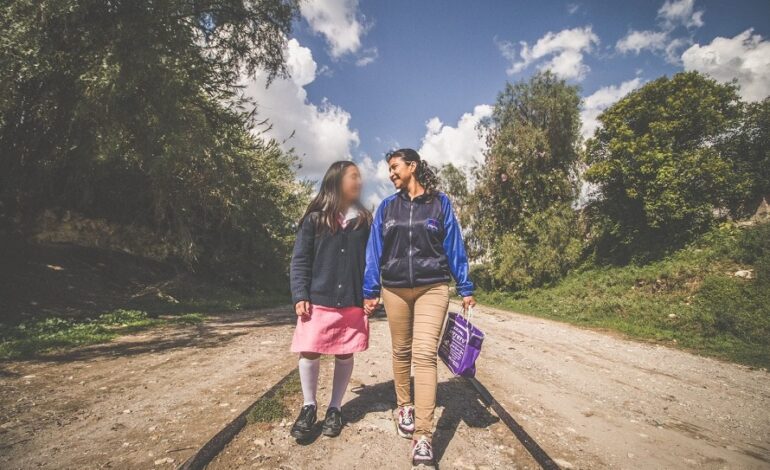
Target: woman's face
(350,186)
(401,172)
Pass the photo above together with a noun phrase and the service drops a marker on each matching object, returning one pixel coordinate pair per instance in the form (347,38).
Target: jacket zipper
(411,269)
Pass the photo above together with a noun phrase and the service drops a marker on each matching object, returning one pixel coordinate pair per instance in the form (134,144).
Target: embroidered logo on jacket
(432,225)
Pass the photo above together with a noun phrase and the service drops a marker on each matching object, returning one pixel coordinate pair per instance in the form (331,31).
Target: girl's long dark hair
(424,173)
(328,201)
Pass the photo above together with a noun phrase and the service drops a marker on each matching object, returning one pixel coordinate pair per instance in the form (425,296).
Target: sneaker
(332,423)
(405,421)
(303,426)
(422,454)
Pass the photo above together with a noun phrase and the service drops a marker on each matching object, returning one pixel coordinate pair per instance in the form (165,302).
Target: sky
(369,76)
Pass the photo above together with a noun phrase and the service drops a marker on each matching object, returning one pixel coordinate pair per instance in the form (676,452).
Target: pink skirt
(328,330)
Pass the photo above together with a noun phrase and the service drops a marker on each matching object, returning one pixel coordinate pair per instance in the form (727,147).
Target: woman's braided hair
(425,174)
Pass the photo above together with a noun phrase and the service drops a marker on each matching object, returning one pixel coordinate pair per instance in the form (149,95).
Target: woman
(414,246)
(327,270)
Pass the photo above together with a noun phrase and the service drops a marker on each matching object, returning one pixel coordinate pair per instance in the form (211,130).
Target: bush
(482,276)
(550,245)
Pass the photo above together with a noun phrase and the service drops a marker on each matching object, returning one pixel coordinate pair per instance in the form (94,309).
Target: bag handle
(468,313)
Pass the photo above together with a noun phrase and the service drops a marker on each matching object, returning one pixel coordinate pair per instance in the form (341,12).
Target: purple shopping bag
(460,345)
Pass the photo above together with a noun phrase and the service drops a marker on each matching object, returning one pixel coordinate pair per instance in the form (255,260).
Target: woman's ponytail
(426,176)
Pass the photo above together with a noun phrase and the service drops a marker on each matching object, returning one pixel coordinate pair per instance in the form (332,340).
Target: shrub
(550,244)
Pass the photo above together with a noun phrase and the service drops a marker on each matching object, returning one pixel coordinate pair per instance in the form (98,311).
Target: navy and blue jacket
(415,243)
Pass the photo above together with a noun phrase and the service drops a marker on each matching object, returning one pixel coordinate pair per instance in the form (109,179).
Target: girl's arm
(301,270)
(455,249)
(373,256)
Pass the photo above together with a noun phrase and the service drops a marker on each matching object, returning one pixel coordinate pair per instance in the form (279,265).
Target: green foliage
(735,306)
(27,339)
(531,159)
(748,148)
(659,167)
(454,183)
(273,406)
(41,336)
(542,251)
(689,298)
(131,112)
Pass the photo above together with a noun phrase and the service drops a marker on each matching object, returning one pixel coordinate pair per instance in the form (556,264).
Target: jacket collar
(422,198)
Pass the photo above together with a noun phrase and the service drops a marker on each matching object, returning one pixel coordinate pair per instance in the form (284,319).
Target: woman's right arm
(373,256)
(301,269)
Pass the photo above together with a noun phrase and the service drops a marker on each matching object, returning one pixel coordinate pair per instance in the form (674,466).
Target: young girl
(327,270)
(415,245)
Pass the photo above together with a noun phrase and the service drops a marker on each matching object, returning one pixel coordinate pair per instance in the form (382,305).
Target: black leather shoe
(332,423)
(303,426)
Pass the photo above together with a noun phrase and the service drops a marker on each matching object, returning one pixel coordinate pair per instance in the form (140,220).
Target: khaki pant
(416,316)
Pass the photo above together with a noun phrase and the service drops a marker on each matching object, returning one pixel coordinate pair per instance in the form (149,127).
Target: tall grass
(690,299)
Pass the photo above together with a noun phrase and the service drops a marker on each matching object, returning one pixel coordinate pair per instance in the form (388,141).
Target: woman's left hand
(468,302)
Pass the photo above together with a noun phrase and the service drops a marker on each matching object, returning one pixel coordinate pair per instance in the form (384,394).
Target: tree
(748,148)
(131,111)
(532,156)
(455,184)
(657,163)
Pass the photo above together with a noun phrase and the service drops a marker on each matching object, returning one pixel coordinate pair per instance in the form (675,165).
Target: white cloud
(601,99)
(746,58)
(338,21)
(319,134)
(572,8)
(460,145)
(565,50)
(377,184)
(671,15)
(680,12)
(367,57)
(636,41)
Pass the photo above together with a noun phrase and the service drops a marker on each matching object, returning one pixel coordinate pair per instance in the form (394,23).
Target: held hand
(302,308)
(370,305)
(468,302)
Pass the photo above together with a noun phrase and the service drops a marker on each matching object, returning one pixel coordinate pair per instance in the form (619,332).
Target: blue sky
(371,75)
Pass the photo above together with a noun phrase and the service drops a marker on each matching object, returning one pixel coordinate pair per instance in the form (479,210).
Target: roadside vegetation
(691,298)
(52,333)
(652,250)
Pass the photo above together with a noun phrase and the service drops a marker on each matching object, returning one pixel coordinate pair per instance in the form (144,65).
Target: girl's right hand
(302,308)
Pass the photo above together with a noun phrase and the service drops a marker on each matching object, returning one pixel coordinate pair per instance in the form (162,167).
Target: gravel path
(590,399)
(142,401)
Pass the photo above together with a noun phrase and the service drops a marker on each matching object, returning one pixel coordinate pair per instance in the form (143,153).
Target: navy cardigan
(328,269)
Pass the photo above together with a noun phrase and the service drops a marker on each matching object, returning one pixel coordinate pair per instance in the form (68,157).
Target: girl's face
(350,186)
(401,172)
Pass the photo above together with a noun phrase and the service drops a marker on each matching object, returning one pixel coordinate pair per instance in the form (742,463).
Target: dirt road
(141,401)
(598,401)
(591,400)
